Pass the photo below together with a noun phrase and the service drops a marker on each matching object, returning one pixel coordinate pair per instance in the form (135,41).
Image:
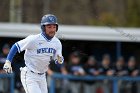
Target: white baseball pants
(33,82)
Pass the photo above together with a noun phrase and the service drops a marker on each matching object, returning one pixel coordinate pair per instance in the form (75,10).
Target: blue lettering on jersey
(46,50)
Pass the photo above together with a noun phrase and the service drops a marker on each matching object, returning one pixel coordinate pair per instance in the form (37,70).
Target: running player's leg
(43,85)
(30,85)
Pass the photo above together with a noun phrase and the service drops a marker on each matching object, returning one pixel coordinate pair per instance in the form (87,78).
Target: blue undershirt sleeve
(12,53)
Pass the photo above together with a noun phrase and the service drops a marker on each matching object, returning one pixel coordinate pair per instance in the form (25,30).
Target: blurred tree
(71,12)
(15,11)
(32,11)
(4,10)
(77,12)
(133,13)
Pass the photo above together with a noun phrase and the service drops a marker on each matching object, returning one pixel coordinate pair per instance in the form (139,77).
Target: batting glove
(7,67)
(59,60)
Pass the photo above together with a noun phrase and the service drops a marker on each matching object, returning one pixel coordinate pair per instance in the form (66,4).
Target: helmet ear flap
(43,27)
(56,27)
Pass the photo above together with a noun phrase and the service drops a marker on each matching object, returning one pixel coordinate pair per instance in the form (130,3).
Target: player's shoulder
(33,37)
(55,39)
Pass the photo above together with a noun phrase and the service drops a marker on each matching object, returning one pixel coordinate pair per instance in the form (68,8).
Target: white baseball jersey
(39,51)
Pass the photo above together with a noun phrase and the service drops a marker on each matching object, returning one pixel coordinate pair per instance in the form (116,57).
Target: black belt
(37,73)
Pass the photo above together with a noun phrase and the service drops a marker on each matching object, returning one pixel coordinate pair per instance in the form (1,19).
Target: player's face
(50,30)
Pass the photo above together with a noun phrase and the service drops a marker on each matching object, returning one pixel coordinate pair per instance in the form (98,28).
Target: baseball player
(39,49)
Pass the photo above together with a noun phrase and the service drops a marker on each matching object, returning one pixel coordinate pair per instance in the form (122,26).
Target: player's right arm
(7,66)
(18,46)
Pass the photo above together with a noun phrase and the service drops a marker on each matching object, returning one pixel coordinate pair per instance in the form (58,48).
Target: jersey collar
(46,36)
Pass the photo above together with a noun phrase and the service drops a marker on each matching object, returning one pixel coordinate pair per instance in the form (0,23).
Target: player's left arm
(59,59)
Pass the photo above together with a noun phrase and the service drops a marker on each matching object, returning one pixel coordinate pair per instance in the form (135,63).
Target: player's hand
(7,67)
(60,59)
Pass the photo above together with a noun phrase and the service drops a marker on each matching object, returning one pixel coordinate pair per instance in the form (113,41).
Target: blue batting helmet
(48,19)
